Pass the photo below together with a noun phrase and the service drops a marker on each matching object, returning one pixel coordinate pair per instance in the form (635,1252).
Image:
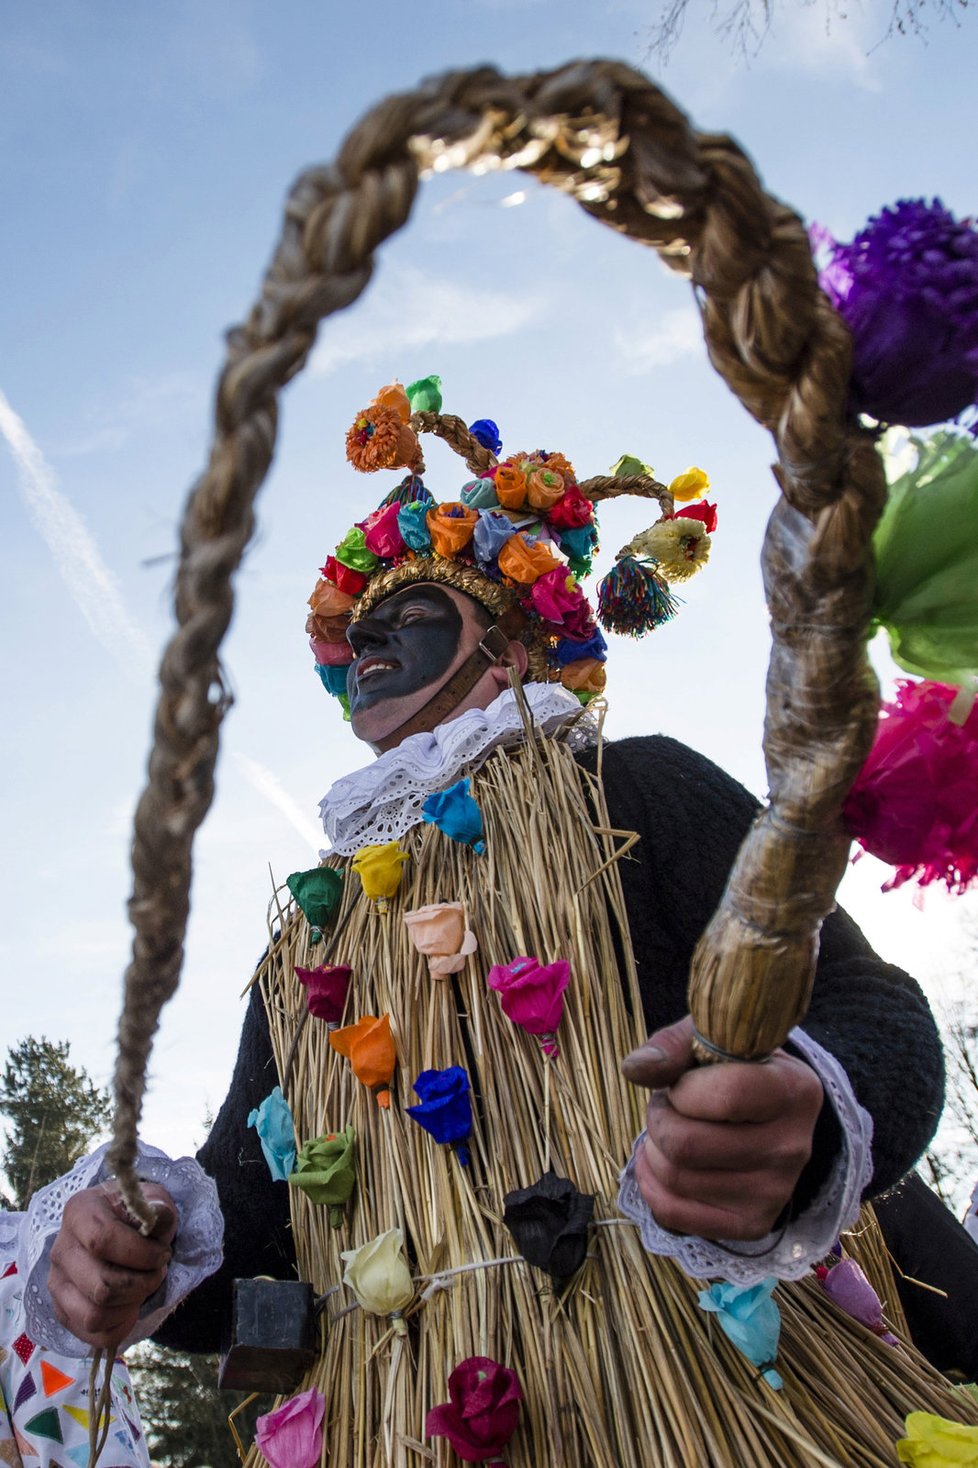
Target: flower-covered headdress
(519,539)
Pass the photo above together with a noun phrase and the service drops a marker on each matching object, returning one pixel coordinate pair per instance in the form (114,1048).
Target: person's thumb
(661,1059)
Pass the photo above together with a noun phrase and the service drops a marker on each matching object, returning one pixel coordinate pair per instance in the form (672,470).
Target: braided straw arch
(603,133)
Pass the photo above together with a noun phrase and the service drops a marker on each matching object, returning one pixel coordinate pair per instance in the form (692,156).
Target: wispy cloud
(144,406)
(676,334)
(826,40)
(271,788)
(407,310)
(90,583)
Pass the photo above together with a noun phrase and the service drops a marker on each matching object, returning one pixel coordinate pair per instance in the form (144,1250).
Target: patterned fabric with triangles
(44,1407)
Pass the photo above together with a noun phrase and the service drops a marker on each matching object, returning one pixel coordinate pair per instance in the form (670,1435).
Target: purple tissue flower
(907,287)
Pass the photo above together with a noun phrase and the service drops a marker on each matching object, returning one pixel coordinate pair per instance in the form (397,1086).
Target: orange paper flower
(523,562)
(450,526)
(560,465)
(328,601)
(510,485)
(369,1047)
(327,629)
(377,439)
(587,675)
(394,396)
(544,487)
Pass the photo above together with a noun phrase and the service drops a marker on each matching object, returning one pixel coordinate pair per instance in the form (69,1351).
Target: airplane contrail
(90,583)
(96,592)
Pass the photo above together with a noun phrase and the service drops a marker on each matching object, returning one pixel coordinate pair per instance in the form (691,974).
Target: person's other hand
(102,1268)
(726,1143)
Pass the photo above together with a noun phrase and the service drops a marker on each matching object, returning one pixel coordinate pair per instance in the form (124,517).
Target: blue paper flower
(273,1122)
(569,651)
(412,522)
(907,287)
(479,494)
(445,1110)
(332,678)
(484,431)
(457,814)
(750,1318)
(491,533)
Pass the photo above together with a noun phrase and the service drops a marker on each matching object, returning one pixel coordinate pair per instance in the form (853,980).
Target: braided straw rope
(602,133)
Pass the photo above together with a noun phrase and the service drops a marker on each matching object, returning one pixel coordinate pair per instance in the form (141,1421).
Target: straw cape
(621,1365)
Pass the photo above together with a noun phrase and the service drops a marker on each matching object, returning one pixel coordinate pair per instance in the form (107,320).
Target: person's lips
(370,667)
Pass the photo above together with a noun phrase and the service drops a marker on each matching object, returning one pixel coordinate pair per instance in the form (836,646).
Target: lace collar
(383,801)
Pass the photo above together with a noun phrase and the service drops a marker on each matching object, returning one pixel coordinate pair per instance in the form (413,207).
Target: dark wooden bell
(274,1336)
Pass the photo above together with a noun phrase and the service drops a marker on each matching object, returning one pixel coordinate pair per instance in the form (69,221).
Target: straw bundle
(624,1368)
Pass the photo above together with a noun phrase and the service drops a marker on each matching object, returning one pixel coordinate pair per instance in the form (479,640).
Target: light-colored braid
(602,133)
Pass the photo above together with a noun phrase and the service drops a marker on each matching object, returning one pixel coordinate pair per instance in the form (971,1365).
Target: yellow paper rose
(378,1275)
(379,869)
(934,1442)
(690,486)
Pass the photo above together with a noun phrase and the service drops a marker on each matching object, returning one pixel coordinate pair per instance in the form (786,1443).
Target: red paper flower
(345,577)
(326,988)
(914,802)
(483,1412)
(702,510)
(532,996)
(571,511)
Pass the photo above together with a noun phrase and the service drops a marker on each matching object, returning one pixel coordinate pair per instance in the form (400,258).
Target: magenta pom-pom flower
(907,287)
(915,801)
(325,988)
(483,1411)
(531,994)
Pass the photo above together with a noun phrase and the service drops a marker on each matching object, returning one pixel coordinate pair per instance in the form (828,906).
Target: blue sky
(145,151)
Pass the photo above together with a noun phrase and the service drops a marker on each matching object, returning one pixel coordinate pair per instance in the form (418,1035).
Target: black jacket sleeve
(870,1015)
(257,1232)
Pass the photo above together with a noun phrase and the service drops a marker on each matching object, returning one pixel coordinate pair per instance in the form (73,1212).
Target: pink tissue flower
(292,1435)
(846,1284)
(557,597)
(532,995)
(381,533)
(483,1412)
(326,988)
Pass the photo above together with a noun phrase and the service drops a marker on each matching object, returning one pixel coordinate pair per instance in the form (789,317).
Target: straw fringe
(624,1369)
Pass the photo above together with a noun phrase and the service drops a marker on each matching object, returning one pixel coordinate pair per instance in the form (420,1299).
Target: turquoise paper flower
(750,1318)
(273,1122)
(457,814)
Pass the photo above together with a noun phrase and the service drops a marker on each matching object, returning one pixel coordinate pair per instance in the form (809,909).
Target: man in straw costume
(494,1232)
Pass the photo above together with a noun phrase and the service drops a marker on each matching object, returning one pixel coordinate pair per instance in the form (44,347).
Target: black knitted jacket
(691,819)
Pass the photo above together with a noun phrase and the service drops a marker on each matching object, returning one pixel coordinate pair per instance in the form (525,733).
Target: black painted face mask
(405,645)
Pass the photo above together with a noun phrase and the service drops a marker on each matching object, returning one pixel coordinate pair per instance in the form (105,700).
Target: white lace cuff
(787,1253)
(196,1248)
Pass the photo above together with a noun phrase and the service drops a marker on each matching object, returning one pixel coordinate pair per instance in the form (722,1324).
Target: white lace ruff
(383,801)
(196,1248)
(791,1253)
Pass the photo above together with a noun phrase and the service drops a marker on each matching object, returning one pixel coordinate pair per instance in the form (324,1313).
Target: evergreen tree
(53,1110)
(184,1414)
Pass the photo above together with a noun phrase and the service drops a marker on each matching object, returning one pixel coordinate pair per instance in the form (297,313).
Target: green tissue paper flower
(926,547)
(325,1171)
